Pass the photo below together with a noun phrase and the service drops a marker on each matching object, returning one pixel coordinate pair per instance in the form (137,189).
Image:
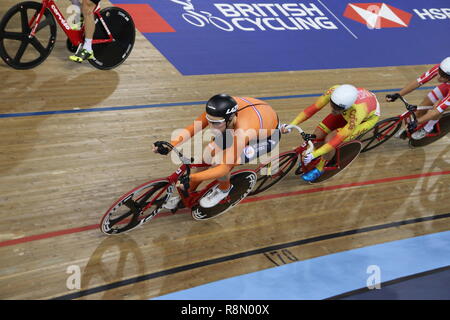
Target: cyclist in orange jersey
(353,112)
(246,128)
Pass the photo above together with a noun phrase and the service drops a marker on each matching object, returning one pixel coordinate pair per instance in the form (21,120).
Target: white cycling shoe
(419,134)
(172,202)
(214,197)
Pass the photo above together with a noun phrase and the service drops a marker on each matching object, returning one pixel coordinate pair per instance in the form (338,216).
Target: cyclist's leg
(434,96)
(329,127)
(88,12)
(431,117)
(363,127)
(85,52)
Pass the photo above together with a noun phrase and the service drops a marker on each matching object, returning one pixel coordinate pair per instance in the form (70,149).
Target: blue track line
(164,105)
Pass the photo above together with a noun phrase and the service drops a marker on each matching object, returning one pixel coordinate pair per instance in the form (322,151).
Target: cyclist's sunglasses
(215,121)
(443,74)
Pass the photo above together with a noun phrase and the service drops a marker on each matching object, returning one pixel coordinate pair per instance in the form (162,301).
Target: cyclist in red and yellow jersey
(353,112)
(246,128)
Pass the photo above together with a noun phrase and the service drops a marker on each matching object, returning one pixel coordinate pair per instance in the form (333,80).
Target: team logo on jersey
(377,15)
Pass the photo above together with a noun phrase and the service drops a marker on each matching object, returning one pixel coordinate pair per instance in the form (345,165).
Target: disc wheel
(444,125)
(17,48)
(109,55)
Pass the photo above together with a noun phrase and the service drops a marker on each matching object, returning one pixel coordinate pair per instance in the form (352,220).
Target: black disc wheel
(17,48)
(444,129)
(109,55)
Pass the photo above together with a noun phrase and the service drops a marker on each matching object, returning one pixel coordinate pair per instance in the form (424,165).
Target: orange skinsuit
(252,114)
(360,117)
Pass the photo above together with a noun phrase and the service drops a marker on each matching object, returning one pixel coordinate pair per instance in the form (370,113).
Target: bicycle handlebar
(183,159)
(305,136)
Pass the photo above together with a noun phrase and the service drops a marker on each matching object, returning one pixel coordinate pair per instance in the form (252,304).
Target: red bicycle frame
(406,117)
(75,36)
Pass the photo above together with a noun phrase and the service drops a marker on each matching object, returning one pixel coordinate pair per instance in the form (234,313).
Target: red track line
(248,200)
(346,185)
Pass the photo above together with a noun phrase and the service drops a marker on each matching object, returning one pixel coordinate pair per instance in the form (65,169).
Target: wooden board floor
(59,173)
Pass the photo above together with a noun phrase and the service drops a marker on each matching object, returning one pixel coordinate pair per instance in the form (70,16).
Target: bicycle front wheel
(273,172)
(380,133)
(110,55)
(17,49)
(135,207)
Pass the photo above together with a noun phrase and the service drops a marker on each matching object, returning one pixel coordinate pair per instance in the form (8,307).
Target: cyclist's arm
(212,173)
(355,118)
(410,87)
(199,124)
(424,78)
(321,102)
(229,160)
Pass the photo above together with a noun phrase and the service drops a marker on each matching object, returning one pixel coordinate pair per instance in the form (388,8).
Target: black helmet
(222,105)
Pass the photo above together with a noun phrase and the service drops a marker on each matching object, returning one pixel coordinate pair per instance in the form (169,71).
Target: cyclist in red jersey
(439,97)
(245,129)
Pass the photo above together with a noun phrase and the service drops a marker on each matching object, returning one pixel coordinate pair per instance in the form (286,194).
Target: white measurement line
(338,19)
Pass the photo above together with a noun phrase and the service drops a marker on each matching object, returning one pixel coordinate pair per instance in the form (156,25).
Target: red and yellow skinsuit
(252,114)
(356,120)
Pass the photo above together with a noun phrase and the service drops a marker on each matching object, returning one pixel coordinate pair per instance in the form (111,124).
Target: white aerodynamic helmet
(344,96)
(445,66)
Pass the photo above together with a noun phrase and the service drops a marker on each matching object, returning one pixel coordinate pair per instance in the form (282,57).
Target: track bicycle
(143,203)
(388,128)
(28,35)
(279,166)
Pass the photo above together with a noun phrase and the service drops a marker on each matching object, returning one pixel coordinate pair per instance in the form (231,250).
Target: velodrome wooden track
(59,173)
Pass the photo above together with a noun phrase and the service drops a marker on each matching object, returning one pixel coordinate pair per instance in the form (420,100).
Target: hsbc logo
(377,15)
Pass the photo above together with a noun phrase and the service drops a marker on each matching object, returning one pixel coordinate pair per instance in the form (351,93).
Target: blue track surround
(285,35)
(330,275)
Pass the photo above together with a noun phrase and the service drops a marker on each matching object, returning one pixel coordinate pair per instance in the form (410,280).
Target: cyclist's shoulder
(330,90)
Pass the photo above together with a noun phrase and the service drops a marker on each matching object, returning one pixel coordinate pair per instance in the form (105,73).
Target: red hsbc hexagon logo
(377,15)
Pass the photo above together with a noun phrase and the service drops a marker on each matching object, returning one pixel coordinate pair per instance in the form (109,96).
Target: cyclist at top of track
(439,97)
(353,112)
(246,128)
(85,51)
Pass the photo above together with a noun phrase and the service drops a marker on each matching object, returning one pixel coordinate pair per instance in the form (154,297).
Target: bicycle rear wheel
(344,156)
(135,207)
(110,55)
(243,182)
(273,172)
(17,49)
(380,133)
(444,125)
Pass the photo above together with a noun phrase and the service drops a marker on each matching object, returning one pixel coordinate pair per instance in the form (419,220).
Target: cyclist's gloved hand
(184,180)
(412,126)
(160,148)
(283,128)
(392,97)
(307,158)
(411,107)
